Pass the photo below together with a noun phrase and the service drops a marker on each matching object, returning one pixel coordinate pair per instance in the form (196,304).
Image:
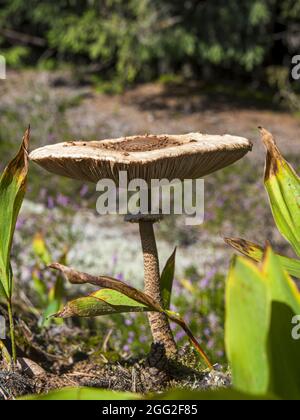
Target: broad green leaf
(115,298)
(283,187)
(166,280)
(250,249)
(83,394)
(76,277)
(12,190)
(280,286)
(261,303)
(283,349)
(102,302)
(247,324)
(256,253)
(212,395)
(93,394)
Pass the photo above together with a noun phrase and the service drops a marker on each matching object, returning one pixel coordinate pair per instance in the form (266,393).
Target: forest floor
(59,109)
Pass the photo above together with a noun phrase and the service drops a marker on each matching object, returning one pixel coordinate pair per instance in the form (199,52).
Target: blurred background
(99,69)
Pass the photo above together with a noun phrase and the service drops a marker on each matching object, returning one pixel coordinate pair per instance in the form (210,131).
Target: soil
(55,359)
(150,375)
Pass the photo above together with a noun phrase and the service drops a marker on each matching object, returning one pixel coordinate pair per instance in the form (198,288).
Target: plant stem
(159,323)
(12,332)
(192,339)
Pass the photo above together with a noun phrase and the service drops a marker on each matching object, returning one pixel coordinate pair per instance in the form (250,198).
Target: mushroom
(146,157)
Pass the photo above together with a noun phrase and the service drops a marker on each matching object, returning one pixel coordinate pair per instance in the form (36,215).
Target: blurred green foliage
(138,40)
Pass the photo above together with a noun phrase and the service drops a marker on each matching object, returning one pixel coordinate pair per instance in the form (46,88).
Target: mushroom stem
(159,323)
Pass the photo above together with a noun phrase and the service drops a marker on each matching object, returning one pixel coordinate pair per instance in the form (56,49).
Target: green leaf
(256,253)
(283,187)
(102,302)
(56,294)
(261,303)
(283,349)
(166,281)
(115,298)
(247,323)
(39,287)
(40,249)
(55,300)
(12,190)
(280,286)
(179,321)
(93,394)
(83,394)
(76,277)
(218,394)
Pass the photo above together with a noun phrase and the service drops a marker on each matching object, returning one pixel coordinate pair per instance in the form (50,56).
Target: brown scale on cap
(141,144)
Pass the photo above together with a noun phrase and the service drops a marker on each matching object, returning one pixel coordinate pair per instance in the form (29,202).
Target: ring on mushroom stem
(147,157)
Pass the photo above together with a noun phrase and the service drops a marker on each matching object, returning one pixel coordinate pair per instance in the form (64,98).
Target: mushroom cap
(147,157)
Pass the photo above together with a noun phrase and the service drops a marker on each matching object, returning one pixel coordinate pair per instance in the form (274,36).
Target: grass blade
(166,280)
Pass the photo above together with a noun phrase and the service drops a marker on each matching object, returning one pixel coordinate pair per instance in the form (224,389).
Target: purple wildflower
(84,190)
(210,345)
(207,332)
(213,320)
(20,223)
(204,283)
(50,203)
(62,200)
(179,335)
